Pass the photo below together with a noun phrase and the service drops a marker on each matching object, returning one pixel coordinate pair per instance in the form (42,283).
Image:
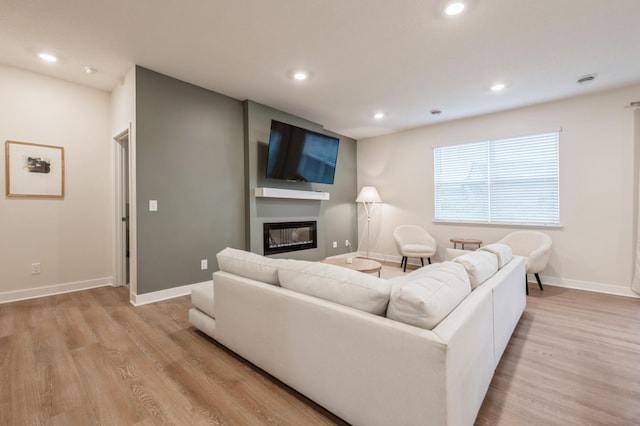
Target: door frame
(120,166)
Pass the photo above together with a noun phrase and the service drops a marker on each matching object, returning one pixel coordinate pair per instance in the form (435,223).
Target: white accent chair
(535,246)
(414,241)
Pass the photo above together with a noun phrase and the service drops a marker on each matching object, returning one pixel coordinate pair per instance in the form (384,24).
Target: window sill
(499,225)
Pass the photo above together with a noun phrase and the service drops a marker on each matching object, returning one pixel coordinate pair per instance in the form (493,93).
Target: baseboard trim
(585,285)
(345,255)
(157,296)
(52,290)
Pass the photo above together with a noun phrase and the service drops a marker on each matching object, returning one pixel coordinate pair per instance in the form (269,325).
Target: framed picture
(34,170)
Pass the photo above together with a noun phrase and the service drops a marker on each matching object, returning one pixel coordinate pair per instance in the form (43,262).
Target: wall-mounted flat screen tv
(300,155)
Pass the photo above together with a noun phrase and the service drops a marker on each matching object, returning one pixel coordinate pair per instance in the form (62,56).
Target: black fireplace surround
(283,237)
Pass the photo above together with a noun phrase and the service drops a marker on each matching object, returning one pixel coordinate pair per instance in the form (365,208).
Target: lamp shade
(368,194)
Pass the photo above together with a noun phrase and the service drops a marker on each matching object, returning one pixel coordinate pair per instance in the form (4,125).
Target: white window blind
(508,181)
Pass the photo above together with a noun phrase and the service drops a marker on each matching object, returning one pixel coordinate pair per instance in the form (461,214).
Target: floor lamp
(369,197)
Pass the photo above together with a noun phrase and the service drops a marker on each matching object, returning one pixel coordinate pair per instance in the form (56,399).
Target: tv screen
(300,155)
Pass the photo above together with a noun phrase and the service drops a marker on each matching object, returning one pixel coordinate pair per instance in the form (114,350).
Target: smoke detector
(586,79)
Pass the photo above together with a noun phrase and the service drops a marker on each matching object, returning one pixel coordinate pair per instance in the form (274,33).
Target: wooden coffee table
(366,266)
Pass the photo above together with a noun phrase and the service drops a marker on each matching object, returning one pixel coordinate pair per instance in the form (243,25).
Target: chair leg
(539,282)
(526,283)
(422,261)
(429,259)
(404,258)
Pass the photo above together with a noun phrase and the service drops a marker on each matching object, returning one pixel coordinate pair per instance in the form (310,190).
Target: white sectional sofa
(329,332)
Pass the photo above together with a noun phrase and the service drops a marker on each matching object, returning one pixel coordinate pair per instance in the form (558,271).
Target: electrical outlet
(347,243)
(35,268)
(153,205)
(204,264)
(335,244)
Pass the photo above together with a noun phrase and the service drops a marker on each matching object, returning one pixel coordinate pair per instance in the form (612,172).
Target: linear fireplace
(282,237)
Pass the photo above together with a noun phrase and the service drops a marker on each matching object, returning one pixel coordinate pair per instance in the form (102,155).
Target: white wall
(123,103)
(70,237)
(593,249)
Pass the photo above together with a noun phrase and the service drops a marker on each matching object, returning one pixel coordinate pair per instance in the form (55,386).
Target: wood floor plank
(8,314)
(74,328)
(82,415)
(20,390)
(92,358)
(56,375)
(155,344)
(213,399)
(104,385)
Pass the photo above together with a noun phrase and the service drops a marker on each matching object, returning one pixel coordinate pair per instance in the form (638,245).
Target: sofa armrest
(468,331)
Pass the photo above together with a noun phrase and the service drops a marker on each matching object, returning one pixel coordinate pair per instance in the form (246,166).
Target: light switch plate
(153,205)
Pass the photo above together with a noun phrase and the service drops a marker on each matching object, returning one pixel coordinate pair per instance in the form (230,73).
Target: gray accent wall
(201,155)
(337,219)
(190,158)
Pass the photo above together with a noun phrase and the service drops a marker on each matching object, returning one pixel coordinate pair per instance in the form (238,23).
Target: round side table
(463,241)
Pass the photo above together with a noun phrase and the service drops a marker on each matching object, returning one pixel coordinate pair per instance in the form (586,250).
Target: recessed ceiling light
(300,75)
(379,115)
(90,70)
(498,87)
(47,57)
(454,8)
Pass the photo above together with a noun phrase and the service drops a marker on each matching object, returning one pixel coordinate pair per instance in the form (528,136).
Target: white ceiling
(401,57)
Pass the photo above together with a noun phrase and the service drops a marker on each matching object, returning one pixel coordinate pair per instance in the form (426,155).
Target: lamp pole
(369,197)
(369,209)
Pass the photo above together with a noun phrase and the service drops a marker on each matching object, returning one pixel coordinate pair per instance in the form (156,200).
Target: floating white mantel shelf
(291,193)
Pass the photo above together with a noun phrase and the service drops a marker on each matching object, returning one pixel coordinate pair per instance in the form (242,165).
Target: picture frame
(34,170)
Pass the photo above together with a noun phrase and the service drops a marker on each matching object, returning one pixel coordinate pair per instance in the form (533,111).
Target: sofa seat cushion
(502,251)
(202,298)
(337,284)
(426,296)
(480,265)
(249,265)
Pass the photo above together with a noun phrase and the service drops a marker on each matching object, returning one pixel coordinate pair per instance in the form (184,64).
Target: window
(503,181)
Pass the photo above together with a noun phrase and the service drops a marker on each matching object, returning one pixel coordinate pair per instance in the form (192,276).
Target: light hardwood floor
(90,358)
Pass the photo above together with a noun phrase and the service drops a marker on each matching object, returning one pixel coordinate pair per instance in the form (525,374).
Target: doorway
(123,208)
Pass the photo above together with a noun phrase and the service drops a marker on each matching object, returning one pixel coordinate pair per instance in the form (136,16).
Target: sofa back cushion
(426,296)
(249,265)
(451,253)
(480,265)
(337,284)
(502,251)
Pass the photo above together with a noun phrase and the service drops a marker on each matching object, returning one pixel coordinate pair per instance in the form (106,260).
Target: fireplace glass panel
(284,237)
